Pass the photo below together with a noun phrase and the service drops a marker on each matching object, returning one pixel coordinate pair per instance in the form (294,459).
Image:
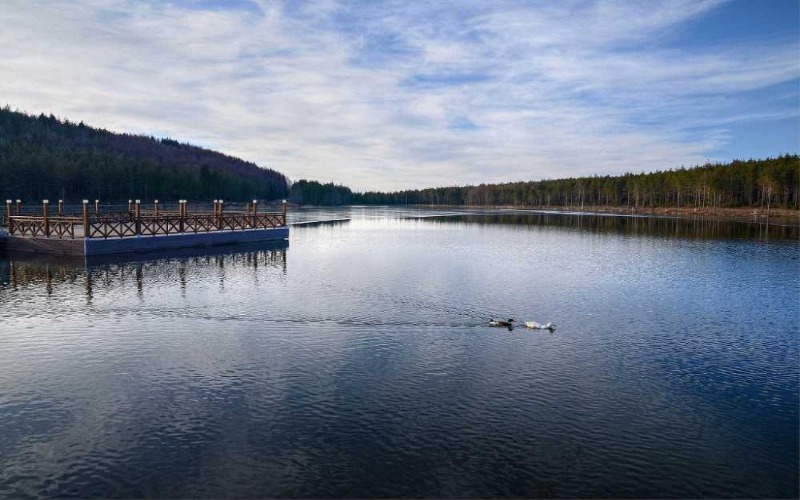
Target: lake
(356,361)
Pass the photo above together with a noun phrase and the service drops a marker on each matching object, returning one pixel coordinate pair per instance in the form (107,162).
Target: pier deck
(135,230)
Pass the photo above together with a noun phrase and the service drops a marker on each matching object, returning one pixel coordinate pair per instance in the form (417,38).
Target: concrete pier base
(137,244)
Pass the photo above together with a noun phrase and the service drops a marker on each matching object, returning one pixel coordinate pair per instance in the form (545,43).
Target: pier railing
(153,225)
(59,227)
(138,222)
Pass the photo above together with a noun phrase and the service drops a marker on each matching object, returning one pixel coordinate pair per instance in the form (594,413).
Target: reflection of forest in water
(50,271)
(699,228)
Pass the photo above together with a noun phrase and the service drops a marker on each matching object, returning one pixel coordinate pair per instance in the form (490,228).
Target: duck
(533,325)
(500,322)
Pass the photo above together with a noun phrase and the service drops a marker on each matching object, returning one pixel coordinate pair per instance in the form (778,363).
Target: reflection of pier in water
(33,270)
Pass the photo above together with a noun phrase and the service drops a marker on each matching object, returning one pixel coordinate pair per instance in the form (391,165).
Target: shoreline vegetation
(44,157)
(751,190)
(780,216)
(776,216)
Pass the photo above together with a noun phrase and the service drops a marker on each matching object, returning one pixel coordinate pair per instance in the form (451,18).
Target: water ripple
(358,362)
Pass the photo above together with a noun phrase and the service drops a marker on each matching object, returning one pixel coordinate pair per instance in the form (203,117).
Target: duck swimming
(500,322)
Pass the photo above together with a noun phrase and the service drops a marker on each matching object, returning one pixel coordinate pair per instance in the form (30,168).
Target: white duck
(533,325)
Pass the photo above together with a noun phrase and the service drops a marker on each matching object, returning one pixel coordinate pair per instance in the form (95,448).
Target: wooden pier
(96,231)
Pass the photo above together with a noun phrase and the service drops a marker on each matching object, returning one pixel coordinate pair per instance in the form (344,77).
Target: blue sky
(398,94)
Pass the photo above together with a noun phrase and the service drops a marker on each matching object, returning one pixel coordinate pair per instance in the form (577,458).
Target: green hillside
(45,157)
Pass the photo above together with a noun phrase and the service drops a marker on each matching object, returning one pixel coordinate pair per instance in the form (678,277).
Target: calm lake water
(356,361)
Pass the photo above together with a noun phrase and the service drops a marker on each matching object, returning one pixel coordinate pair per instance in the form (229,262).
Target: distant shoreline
(779,216)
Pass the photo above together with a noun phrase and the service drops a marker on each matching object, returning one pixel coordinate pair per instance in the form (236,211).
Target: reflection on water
(699,228)
(662,226)
(366,367)
(31,270)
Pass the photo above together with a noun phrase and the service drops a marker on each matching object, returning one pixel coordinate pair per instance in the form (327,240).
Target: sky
(389,95)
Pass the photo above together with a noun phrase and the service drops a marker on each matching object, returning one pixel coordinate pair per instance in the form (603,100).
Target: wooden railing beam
(124,224)
(138,217)
(45,204)
(86,231)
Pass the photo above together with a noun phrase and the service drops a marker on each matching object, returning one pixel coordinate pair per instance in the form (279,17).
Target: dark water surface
(354,361)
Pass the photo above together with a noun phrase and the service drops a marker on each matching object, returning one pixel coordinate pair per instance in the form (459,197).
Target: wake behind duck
(532,325)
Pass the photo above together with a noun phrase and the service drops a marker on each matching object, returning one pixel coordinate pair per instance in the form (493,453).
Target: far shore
(779,216)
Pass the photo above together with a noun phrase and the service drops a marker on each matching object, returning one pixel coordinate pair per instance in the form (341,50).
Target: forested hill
(44,157)
(769,182)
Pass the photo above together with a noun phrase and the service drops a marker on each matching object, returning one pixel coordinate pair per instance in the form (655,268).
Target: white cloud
(394,95)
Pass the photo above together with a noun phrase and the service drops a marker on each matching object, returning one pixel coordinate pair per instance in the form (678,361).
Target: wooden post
(137,212)
(19,207)
(97,207)
(60,208)
(45,204)
(86,219)
(181,214)
(255,212)
(219,224)
(155,207)
(284,212)
(130,208)
(8,212)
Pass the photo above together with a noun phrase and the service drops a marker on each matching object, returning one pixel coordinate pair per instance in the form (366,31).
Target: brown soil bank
(780,216)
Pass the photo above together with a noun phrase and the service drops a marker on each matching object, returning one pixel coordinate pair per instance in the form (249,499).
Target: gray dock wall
(138,244)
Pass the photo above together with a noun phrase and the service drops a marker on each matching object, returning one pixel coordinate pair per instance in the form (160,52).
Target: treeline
(45,157)
(773,182)
(315,193)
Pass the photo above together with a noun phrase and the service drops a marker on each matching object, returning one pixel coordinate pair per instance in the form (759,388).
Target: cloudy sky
(403,94)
